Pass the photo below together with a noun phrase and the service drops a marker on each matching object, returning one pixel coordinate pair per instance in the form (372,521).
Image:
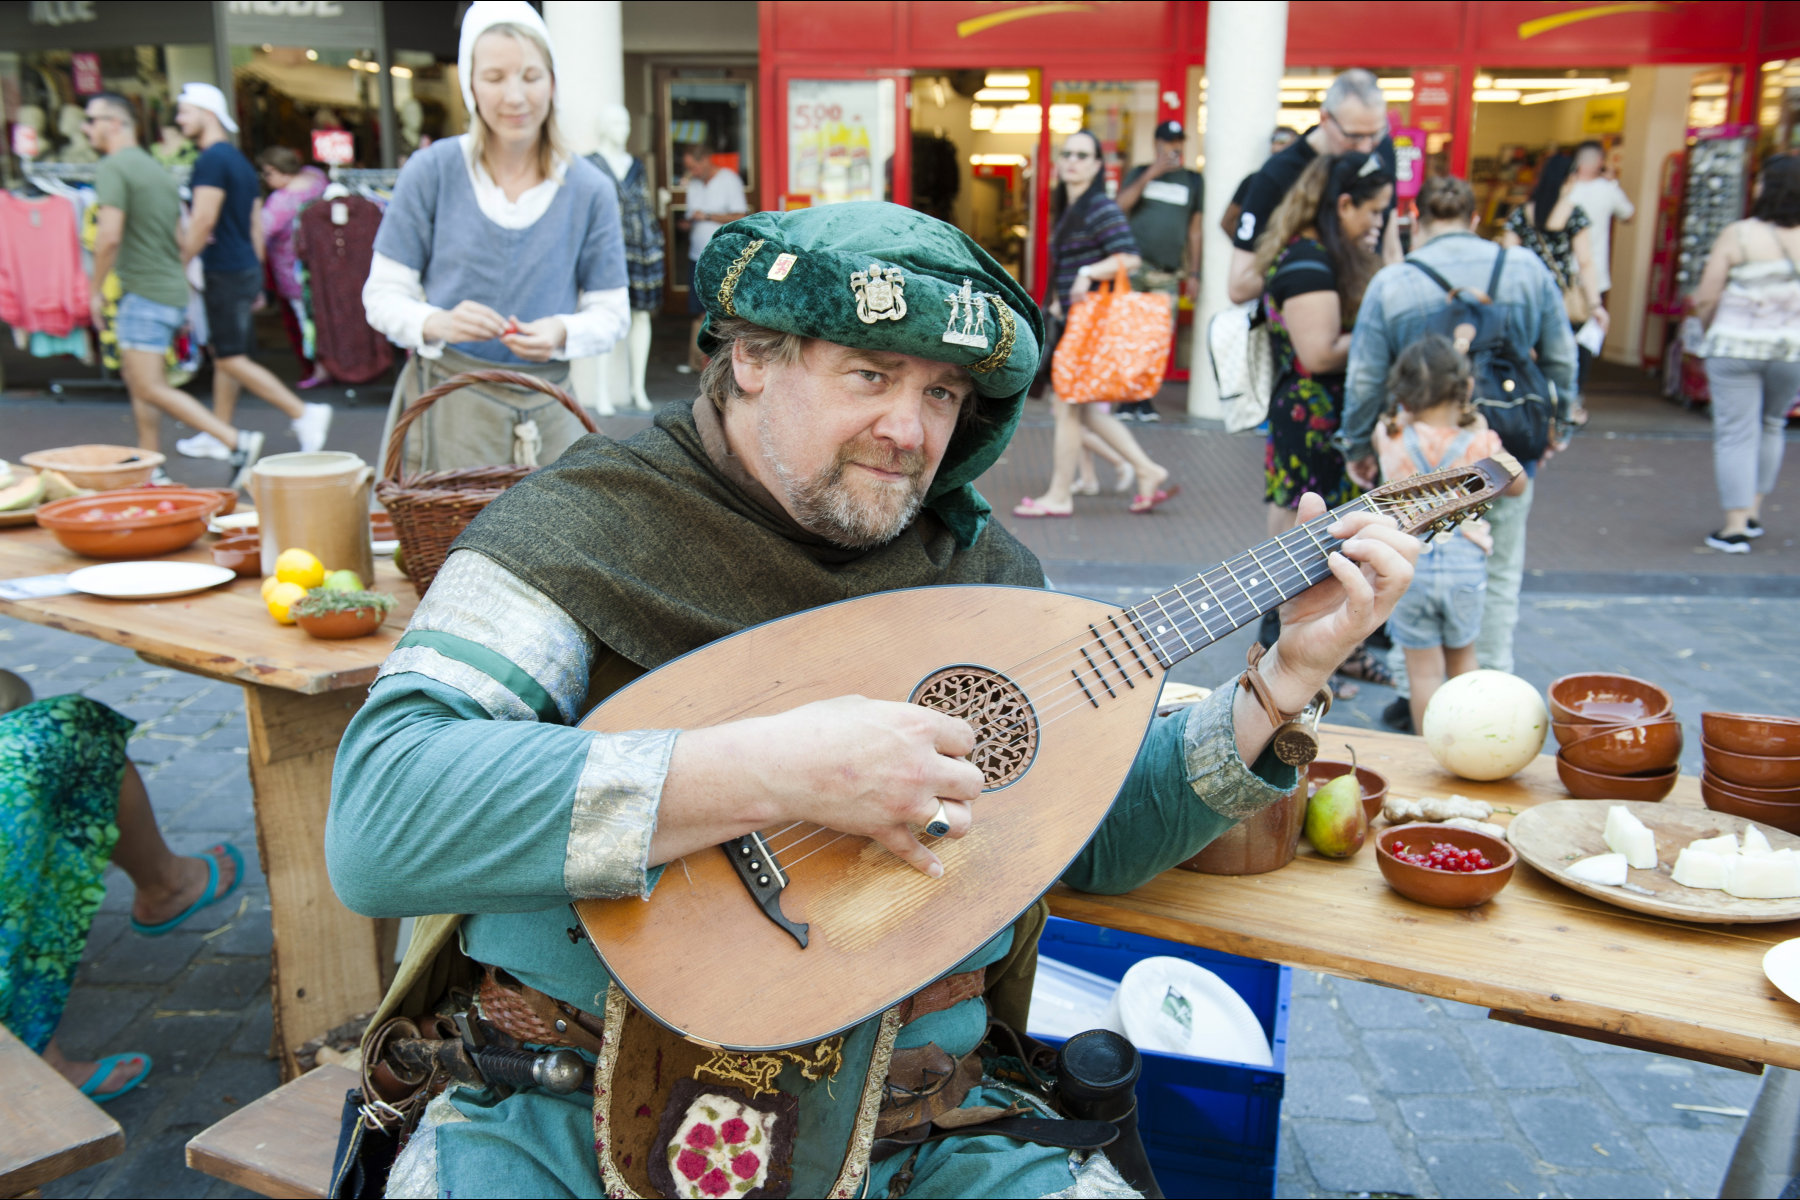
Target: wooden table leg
(329,963)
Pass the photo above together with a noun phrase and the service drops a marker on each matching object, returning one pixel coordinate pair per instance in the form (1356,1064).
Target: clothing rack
(373,183)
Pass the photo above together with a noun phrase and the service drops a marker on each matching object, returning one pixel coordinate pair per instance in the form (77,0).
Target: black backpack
(1510,391)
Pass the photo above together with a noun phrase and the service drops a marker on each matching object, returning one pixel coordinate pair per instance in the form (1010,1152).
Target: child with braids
(1431,424)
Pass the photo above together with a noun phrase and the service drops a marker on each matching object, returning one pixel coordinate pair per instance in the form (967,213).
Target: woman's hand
(1322,625)
(535,341)
(469,321)
(1599,316)
(1080,286)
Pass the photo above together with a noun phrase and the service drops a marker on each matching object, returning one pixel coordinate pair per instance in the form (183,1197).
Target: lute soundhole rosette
(1005,724)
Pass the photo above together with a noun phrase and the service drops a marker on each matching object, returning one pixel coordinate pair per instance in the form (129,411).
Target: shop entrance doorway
(974,156)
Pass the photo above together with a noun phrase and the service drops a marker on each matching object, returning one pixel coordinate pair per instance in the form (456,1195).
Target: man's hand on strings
(1323,625)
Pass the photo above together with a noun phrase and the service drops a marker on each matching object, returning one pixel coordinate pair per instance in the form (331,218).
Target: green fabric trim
(496,666)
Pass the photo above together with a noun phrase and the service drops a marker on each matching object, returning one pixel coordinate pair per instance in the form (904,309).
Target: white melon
(1608,869)
(1485,724)
(1697,868)
(1627,835)
(1754,841)
(1725,844)
(1765,877)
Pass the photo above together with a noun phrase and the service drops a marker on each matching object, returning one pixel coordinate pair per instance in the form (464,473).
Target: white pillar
(1246,50)
(589,39)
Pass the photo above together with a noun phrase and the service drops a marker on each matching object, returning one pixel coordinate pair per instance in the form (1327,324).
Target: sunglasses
(1076,154)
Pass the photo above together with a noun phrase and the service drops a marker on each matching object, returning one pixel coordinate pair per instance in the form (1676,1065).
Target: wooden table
(299,694)
(48,1129)
(1537,954)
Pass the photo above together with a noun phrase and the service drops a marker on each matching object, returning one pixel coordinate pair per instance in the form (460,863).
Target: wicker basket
(430,510)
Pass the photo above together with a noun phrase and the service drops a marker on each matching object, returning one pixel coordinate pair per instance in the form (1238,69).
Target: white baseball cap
(205,95)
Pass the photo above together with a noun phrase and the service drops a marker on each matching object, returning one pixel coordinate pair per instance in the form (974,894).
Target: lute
(791,934)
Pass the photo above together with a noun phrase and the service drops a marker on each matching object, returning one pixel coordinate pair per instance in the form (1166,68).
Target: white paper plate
(1782,965)
(148,580)
(1218,1024)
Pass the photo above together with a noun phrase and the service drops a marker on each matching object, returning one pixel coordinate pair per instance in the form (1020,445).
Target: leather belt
(528,1015)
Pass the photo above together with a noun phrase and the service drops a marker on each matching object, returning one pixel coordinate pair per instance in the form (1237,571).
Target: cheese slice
(1625,834)
(1697,868)
(1608,869)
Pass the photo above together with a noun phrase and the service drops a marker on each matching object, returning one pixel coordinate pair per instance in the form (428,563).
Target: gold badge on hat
(971,309)
(880,294)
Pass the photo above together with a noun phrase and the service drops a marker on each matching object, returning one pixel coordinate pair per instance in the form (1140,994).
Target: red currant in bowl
(1442,865)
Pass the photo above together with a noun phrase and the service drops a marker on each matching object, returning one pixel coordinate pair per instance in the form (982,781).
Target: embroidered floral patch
(719,1142)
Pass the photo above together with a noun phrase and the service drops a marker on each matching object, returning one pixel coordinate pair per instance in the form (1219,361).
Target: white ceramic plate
(1782,965)
(1223,1026)
(148,580)
(237,522)
(381,548)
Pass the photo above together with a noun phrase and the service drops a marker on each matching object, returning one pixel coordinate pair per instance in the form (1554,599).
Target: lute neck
(1194,614)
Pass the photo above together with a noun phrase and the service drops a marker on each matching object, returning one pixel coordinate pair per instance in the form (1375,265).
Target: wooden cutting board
(1552,835)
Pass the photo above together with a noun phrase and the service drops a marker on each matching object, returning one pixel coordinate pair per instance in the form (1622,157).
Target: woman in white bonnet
(499,249)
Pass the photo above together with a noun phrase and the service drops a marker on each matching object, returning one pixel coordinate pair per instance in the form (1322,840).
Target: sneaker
(203,445)
(1729,543)
(1397,716)
(683,369)
(311,426)
(1148,414)
(250,444)
(1753,528)
(160,478)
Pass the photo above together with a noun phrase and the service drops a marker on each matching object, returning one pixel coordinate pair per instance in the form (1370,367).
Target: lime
(343,581)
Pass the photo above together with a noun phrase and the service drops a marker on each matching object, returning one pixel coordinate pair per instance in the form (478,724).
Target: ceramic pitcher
(315,501)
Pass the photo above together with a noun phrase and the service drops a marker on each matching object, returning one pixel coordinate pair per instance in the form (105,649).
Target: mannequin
(412,124)
(643,245)
(75,148)
(32,117)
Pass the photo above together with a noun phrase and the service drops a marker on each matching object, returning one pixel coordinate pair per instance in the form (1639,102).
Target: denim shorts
(230,295)
(1443,605)
(141,324)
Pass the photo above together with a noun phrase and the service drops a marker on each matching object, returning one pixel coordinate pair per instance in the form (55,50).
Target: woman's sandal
(211,894)
(1365,666)
(1029,507)
(1143,504)
(103,1071)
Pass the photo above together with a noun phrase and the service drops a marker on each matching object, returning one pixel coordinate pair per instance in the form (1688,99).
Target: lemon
(282,597)
(268,585)
(300,567)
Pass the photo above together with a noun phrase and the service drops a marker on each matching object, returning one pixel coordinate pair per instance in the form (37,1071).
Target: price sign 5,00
(815,116)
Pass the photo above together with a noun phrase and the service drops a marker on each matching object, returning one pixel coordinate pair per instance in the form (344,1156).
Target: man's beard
(829,505)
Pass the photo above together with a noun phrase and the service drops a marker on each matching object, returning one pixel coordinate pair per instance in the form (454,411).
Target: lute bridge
(763,876)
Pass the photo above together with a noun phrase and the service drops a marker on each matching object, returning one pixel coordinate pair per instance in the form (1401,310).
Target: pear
(1336,824)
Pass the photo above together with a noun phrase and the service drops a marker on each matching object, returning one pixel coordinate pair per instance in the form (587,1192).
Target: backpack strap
(1432,275)
(1493,288)
(1415,449)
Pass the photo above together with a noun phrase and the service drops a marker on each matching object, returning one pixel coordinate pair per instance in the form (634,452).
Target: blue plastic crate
(1209,1127)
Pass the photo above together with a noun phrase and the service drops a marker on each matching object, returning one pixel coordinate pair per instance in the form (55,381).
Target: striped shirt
(1089,230)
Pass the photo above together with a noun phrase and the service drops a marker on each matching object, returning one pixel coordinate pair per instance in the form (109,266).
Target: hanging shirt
(43,288)
(223,166)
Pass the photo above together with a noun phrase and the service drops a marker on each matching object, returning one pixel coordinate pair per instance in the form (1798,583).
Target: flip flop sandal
(104,1069)
(1029,507)
(1143,504)
(212,894)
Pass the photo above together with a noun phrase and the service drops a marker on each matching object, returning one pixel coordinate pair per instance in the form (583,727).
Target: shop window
(1778,114)
(974,143)
(297,96)
(1120,113)
(42,93)
(1523,116)
(840,143)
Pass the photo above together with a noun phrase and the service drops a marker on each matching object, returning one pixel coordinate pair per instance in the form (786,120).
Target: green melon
(22,493)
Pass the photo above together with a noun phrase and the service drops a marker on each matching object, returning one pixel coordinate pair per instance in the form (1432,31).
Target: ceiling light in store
(1530,85)
(1776,65)
(1007,79)
(400,72)
(1295,97)
(998,160)
(355,64)
(1579,93)
(1399,83)
(990,95)
(1496,95)
(312,56)
(981,118)
(1066,118)
(1484,82)
(1293,82)
(1019,118)
(1711,89)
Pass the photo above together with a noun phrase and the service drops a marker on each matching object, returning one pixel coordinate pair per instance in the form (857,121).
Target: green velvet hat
(883,277)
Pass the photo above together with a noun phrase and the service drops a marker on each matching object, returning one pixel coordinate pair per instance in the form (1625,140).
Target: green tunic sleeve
(1188,785)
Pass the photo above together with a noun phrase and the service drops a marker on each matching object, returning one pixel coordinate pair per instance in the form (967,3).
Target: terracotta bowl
(1570,731)
(1781,816)
(1443,889)
(381,527)
(97,466)
(1602,785)
(1751,733)
(228,500)
(242,552)
(89,525)
(1264,842)
(1599,698)
(1374,783)
(1752,770)
(349,623)
(1762,795)
(1626,749)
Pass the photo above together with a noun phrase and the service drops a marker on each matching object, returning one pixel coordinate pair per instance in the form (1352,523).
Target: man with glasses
(136,234)
(1353,117)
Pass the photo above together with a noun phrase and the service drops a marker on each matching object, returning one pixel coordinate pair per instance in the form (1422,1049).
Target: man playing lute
(831,455)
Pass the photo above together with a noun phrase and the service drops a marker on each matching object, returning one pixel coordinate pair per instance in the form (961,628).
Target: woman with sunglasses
(1091,239)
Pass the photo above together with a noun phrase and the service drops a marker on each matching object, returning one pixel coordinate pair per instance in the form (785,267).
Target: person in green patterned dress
(70,802)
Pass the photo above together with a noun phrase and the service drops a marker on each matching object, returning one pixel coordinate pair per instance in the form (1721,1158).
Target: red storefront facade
(815,56)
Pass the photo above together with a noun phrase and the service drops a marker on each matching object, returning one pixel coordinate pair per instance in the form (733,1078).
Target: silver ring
(939,824)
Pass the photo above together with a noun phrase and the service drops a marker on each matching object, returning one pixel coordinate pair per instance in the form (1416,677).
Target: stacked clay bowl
(1752,767)
(1617,737)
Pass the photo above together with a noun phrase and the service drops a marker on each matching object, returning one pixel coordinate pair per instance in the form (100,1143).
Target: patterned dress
(1556,247)
(642,233)
(1306,409)
(61,761)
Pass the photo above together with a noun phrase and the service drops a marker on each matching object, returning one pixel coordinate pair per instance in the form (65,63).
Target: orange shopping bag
(1116,346)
